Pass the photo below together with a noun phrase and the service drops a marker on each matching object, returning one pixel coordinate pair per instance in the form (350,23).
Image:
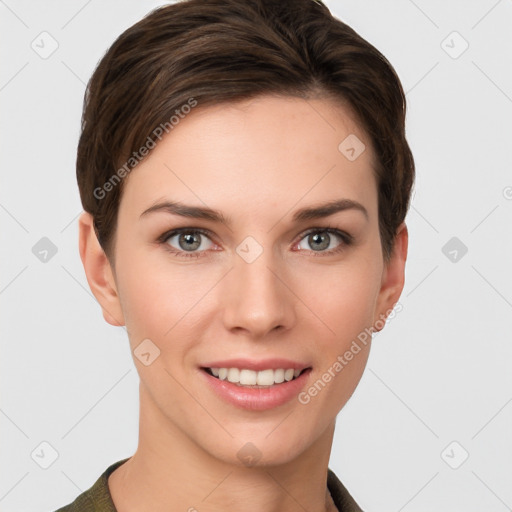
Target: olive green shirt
(99,499)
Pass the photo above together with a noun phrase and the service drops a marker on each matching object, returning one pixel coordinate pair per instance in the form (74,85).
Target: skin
(257,161)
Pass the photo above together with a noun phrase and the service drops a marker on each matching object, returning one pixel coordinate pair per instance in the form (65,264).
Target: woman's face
(264,284)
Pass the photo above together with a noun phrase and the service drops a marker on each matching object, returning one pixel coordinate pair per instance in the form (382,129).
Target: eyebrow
(205,213)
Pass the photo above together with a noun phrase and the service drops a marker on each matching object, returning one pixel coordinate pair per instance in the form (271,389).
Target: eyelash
(347,240)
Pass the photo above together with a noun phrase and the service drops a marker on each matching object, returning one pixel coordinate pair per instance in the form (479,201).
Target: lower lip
(257,399)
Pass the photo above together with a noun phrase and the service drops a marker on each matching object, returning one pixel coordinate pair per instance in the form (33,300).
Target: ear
(393,277)
(98,271)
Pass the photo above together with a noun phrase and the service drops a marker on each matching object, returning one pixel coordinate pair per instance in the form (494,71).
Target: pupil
(318,238)
(189,242)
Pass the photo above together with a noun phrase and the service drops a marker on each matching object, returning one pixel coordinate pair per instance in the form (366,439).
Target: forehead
(268,152)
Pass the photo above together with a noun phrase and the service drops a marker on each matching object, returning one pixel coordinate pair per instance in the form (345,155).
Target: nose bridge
(257,299)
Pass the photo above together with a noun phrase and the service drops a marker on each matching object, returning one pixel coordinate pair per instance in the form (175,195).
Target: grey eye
(188,241)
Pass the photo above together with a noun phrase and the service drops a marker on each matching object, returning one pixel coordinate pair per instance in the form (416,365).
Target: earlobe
(393,278)
(98,271)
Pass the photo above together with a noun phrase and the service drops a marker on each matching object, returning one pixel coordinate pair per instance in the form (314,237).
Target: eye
(194,242)
(188,241)
(321,238)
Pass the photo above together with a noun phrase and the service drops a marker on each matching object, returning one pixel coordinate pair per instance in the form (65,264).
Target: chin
(262,450)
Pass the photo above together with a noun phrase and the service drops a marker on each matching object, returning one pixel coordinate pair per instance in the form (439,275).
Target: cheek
(161,299)
(343,375)
(146,295)
(153,305)
(348,308)
(342,297)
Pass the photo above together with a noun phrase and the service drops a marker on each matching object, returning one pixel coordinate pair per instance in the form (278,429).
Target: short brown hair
(217,51)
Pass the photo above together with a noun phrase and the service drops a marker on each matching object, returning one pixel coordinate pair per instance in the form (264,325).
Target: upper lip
(251,364)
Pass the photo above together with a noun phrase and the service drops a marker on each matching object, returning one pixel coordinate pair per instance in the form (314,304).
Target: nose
(256,298)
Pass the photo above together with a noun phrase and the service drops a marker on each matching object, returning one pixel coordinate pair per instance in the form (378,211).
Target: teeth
(234,375)
(278,376)
(247,377)
(288,374)
(262,378)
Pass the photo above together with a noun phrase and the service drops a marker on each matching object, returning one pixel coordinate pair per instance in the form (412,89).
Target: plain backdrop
(429,427)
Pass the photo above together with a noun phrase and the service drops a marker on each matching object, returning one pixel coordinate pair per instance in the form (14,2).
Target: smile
(252,378)
(279,385)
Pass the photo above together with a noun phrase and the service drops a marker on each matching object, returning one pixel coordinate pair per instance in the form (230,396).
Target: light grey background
(439,372)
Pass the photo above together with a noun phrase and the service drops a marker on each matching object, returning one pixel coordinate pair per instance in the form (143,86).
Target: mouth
(244,377)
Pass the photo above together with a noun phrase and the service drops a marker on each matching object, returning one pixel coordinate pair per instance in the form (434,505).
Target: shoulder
(97,498)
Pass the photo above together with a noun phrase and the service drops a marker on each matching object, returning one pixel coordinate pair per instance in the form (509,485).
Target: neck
(170,471)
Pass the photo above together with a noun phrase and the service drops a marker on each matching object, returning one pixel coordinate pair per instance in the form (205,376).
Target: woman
(245,177)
